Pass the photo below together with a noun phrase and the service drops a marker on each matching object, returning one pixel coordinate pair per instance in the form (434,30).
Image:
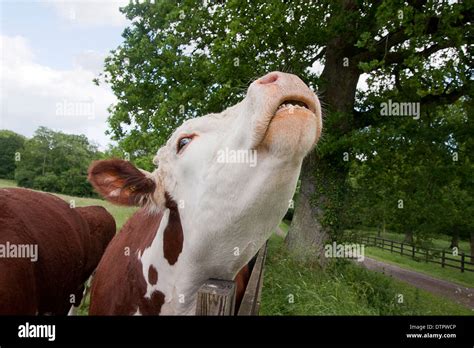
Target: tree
(56,162)
(180,60)
(426,180)
(10,143)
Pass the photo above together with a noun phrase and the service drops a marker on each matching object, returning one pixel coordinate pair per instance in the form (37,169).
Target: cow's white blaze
(153,256)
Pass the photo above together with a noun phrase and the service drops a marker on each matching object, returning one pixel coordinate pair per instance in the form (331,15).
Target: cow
(222,183)
(47,251)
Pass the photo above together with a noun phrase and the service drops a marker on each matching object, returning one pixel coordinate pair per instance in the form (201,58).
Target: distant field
(121,214)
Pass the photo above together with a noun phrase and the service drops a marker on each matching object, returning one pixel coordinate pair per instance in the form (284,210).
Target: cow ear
(120,182)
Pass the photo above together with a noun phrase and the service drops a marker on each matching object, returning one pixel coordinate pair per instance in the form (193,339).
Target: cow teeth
(289,105)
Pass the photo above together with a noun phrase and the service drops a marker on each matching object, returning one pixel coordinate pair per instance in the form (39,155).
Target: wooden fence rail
(440,257)
(217,297)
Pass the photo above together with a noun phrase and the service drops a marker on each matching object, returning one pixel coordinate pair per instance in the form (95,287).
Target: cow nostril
(268,79)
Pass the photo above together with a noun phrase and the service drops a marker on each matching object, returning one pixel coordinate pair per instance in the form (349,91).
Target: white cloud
(33,95)
(91,12)
(90,60)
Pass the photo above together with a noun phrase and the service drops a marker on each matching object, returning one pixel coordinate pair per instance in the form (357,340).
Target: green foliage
(48,182)
(181,60)
(10,143)
(56,162)
(416,175)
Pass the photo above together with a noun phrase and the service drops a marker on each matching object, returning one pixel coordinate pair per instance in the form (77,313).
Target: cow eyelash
(180,145)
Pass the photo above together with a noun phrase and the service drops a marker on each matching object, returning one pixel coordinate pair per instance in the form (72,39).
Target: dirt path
(458,293)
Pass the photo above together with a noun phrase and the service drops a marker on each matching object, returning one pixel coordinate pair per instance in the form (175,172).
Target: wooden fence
(440,257)
(217,297)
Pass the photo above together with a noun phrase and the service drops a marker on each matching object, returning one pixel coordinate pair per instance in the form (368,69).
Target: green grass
(342,289)
(7,183)
(431,269)
(120,213)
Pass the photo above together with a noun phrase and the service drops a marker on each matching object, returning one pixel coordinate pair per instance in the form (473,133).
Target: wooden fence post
(401,249)
(383,244)
(216,297)
(413,251)
(391,246)
(462,261)
(443,259)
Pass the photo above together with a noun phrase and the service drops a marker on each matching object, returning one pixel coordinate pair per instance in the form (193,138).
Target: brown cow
(47,251)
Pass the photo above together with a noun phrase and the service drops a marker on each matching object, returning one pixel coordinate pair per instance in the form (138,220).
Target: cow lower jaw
(291,132)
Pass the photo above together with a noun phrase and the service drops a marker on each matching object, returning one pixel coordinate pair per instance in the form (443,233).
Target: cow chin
(291,133)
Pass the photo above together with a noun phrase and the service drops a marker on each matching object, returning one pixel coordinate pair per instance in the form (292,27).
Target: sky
(50,51)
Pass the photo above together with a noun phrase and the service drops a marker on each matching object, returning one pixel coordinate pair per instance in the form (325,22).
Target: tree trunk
(323,178)
(455,240)
(317,208)
(408,237)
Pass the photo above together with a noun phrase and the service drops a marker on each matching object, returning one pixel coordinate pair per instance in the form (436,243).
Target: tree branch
(399,57)
(392,39)
(446,98)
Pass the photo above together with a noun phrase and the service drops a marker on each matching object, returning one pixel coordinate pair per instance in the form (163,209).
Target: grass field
(121,214)
(294,288)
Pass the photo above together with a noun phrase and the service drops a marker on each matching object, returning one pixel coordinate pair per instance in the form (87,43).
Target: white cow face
(270,131)
(231,171)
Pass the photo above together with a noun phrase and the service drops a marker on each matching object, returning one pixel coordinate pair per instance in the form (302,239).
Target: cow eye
(183,142)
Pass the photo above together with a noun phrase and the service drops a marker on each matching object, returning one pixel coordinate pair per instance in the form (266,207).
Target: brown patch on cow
(120,182)
(173,235)
(119,286)
(152,306)
(241,280)
(152,275)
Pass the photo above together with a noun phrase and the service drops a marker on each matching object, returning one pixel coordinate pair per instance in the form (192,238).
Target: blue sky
(48,32)
(50,51)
